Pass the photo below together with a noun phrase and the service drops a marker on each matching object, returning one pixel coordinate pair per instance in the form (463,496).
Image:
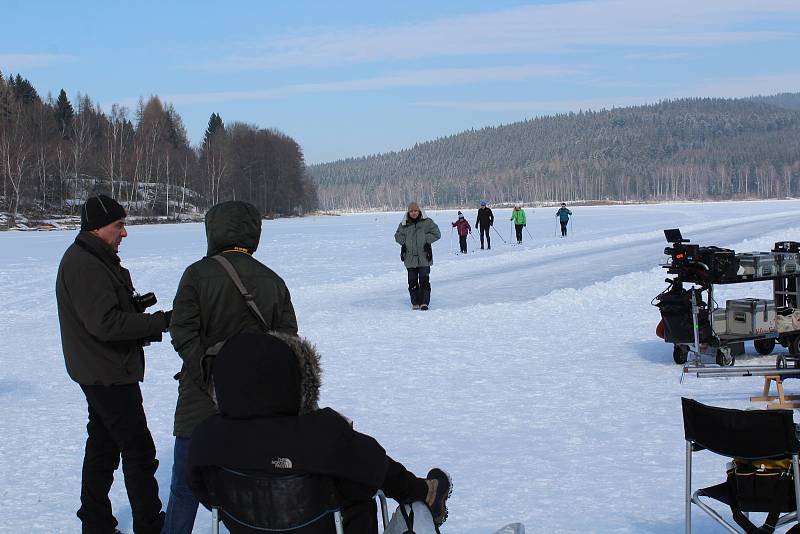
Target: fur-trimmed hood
(266,375)
(406,221)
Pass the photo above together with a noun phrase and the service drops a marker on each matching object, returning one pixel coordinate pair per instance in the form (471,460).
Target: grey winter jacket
(413,236)
(208,308)
(102,332)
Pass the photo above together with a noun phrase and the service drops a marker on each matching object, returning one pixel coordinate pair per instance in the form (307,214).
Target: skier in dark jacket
(103,330)
(484,223)
(563,217)
(208,309)
(464,229)
(415,235)
(267,389)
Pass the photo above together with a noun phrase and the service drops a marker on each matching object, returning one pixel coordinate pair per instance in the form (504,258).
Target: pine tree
(24,90)
(63,113)
(214,124)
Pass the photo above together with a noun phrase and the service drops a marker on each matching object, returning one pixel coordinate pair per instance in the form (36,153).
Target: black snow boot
(440,487)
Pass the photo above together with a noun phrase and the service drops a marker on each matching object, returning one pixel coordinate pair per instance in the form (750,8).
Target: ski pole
(473,237)
(498,234)
(529,233)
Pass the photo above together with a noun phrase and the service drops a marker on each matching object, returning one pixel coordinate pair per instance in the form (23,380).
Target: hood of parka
(266,375)
(232,224)
(408,220)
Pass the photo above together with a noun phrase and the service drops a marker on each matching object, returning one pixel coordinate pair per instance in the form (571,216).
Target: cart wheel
(725,357)
(794,346)
(680,354)
(764,346)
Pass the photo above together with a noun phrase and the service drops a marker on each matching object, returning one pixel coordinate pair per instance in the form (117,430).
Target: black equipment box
(786,246)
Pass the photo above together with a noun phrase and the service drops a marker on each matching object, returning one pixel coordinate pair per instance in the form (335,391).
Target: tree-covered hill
(676,149)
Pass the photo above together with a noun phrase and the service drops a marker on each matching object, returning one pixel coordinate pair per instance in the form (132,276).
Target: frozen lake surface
(535,379)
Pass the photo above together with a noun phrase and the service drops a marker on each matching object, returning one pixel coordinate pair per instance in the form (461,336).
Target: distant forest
(54,152)
(706,148)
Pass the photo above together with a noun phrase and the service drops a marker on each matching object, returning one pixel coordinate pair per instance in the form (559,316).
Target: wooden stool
(783,399)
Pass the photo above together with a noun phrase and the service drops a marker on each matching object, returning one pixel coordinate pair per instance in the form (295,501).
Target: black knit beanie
(99,211)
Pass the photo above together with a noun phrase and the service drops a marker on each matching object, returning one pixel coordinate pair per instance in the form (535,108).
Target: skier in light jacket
(415,234)
(518,216)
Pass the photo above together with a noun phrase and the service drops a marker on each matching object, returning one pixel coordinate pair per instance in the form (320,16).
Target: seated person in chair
(267,388)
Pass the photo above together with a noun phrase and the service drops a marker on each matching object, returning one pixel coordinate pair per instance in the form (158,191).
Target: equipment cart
(694,323)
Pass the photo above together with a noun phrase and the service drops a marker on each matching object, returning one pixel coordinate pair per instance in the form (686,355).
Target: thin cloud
(417,78)
(742,87)
(666,56)
(527,29)
(725,88)
(538,106)
(32,61)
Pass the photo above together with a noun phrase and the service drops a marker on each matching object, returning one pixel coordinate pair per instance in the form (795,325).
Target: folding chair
(250,502)
(745,435)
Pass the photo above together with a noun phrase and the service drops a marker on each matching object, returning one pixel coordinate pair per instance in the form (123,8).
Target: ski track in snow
(535,379)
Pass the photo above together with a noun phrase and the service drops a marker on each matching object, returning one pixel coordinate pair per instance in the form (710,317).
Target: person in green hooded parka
(208,309)
(415,235)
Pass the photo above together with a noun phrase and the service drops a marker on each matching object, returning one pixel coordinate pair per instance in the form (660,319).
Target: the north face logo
(282,463)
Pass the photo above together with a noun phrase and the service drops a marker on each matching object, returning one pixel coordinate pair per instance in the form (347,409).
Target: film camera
(142,302)
(701,264)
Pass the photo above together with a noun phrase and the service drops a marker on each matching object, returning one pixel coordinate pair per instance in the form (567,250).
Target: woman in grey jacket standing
(415,235)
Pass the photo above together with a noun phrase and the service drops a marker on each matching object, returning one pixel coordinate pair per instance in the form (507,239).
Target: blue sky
(352,78)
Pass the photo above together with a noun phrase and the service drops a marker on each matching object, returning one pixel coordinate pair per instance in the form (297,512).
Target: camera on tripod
(142,302)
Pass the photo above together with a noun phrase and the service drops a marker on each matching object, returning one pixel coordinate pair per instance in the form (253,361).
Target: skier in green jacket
(518,216)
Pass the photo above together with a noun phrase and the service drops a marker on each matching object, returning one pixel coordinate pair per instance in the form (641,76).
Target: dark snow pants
(399,484)
(485,230)
(419,285)
(518,229)
(564,228)
(462,242)
(118,427)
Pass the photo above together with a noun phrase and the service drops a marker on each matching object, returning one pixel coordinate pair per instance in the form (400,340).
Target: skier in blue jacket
(563,217)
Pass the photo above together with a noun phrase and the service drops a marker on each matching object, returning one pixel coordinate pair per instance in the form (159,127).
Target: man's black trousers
(564,227)
(419,285)
(485,230)
(118,427)
(518,229)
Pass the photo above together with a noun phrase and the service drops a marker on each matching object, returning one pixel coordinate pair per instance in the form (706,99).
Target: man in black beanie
(103,330)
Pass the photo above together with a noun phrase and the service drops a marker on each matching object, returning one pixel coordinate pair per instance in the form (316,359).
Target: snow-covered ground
(535,379)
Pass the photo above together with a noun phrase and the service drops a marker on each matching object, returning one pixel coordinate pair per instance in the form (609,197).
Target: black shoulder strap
(248,298)
(408,517)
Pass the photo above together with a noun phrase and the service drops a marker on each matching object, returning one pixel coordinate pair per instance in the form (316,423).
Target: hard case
(786,262)
(756,264)
(751,317)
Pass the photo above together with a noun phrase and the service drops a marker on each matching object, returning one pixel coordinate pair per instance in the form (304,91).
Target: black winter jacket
(208,308)
(267,388)
(485,218)
(101,330)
